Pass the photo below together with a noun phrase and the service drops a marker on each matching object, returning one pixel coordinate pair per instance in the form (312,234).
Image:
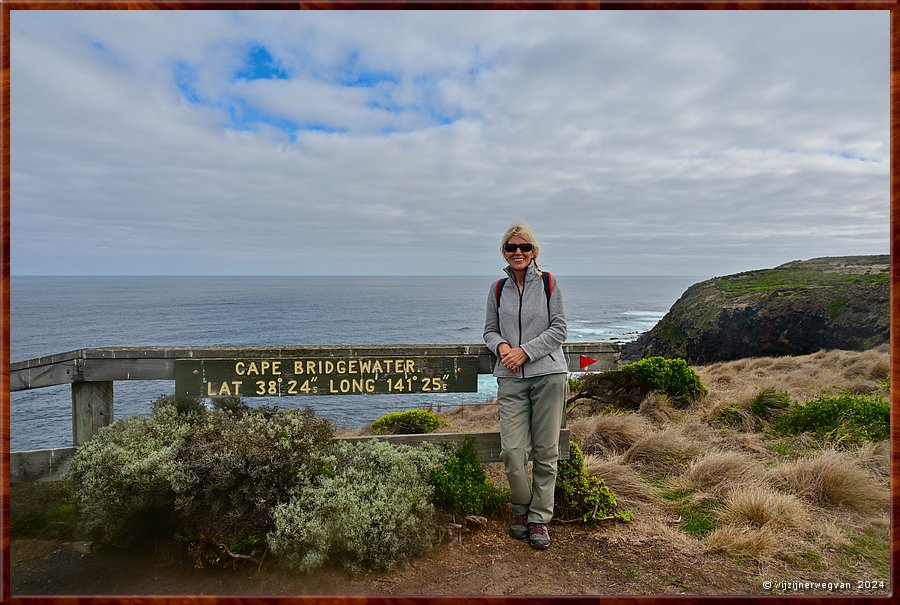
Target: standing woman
(525,328)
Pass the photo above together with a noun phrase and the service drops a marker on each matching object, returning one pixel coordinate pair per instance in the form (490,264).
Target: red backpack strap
(498,289)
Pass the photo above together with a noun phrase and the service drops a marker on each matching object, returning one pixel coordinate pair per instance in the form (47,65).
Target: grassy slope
(781,507)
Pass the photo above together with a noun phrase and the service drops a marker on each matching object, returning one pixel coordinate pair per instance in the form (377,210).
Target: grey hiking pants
(531,414)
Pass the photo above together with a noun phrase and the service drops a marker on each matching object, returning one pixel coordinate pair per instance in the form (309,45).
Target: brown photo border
(6,6)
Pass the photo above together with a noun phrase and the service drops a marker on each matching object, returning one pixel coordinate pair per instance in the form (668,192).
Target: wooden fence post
(92,407)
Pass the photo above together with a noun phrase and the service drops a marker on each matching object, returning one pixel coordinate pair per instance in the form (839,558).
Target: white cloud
(697,142)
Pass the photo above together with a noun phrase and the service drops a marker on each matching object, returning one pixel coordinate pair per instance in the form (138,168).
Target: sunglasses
(523,247)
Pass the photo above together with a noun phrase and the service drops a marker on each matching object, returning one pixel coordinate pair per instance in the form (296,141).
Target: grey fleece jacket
(523,321)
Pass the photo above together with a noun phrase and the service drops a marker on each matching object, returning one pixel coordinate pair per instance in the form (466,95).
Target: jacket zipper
(521,296)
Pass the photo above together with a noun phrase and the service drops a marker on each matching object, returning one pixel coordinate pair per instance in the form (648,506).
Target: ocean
(51,315)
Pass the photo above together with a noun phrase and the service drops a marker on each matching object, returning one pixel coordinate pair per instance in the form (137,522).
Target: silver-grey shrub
(372,512)
(237,467)
(211,476)
(125,470)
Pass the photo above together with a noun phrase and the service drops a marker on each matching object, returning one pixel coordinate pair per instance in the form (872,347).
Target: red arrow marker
(586,361)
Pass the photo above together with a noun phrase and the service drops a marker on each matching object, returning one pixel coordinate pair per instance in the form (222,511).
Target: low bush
(235,468)
(579,496)
(121,480)
(674,377)
(410,422)
(372,511)
(629,385)
(211,476)
(843,418)
(185,406)
(461,485)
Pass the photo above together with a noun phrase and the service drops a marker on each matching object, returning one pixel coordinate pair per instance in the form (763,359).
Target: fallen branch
(235,555)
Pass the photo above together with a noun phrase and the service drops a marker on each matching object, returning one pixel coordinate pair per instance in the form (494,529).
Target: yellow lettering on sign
(355,385)
(226,389)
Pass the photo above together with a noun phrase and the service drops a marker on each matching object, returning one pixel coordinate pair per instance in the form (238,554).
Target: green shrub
(121,479)
(843,418)
(236,468)
(233,405)
(373,511)
(214,477)
(410,422)
(575,384)
(579,496)
(629,385)
(463,487)
(769,402)
(186,406)
(674,377)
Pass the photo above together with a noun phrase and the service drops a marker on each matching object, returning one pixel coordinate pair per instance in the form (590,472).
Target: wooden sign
(325,376)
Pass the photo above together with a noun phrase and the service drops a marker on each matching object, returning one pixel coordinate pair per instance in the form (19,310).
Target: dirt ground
(610,560)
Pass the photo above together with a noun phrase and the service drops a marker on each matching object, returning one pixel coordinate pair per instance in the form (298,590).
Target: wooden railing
(93,372)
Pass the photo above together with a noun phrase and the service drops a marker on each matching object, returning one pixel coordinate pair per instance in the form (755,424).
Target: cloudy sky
(304,143)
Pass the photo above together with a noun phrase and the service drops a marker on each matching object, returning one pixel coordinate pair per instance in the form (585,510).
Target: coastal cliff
(794,309)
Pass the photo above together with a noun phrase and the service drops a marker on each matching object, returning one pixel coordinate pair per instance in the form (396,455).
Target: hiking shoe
(538,536)
(518,529)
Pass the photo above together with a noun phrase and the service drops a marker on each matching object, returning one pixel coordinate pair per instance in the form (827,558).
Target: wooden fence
(266,371)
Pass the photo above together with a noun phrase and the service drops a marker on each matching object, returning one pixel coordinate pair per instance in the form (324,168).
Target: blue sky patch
(260,65)
(184,79)
(247,117)
(369,79)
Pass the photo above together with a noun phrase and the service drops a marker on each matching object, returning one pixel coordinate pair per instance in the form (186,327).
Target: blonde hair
(524,231)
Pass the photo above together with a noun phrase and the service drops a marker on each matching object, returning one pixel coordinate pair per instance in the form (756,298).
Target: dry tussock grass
(804,377)
(733,415)
(658,408)
(724,463)
(664,452)
(831,478)
(760,506)
(718,472)
(752,444)
(609,433)
(828,533)
(735,541)
(471,418)
(876,458)
(621,479)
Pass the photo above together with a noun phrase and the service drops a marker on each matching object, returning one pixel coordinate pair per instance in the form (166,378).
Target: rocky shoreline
(794,309)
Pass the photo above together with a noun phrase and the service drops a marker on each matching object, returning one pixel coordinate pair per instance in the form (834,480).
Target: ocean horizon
(55,314)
